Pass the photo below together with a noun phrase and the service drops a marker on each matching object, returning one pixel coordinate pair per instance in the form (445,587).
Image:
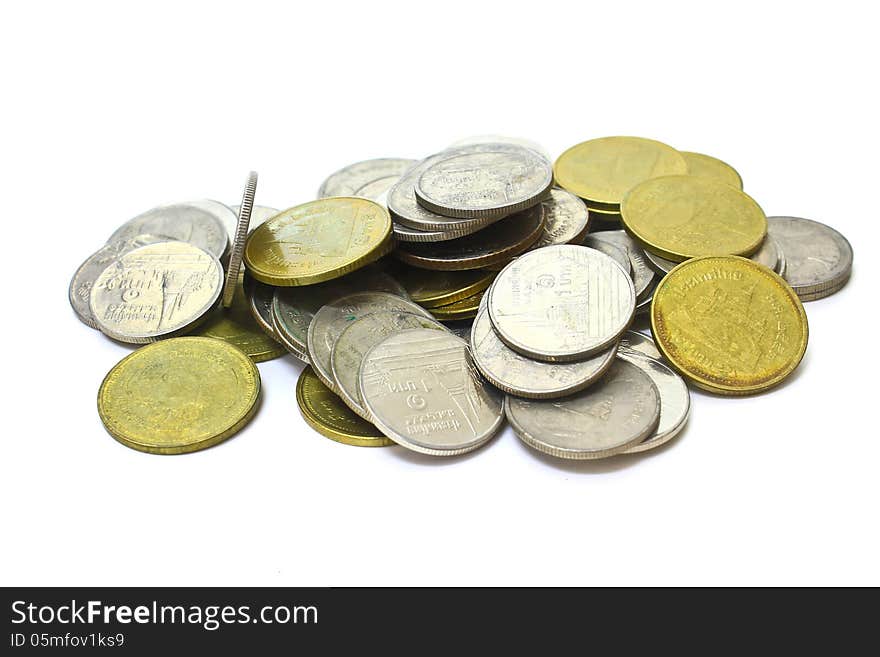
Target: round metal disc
(185,222)
(818,258)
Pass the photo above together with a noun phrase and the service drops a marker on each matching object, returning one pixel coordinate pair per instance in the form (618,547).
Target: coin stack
(433,299)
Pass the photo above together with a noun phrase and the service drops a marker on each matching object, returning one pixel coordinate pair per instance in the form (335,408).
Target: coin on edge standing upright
(318,241)
(179,395)
(561,303)
(729,325)
(324,411)
(241,233)
(156,291)
(422,391)
(681,217)
(609,417)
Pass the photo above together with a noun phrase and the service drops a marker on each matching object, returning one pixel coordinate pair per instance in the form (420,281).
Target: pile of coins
(434,299)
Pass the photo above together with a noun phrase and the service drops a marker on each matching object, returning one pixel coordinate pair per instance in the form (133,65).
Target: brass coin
(681,217)
(462,309)
(602,171)
(728,324)
(439,288)
(179,395)
(706,166)
(496,243)
(237,326)
(326,413)
(318,241)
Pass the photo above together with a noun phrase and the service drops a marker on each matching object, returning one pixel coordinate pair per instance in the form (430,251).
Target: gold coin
(681,217)
(603,209)
(179,395)
(462,309)
(318,241)
(728,324)
(327,414)
(706,166)
(432,288)
(603,170)
(237,326)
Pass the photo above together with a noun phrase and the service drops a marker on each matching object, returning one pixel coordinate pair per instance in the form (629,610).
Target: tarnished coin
(318,241)
(642,274)
(184,222)
(524,377)
(179,395)
(485,181)
(293,308)
(706,166)
(370,178)
(237,326)
(334,316)
(504,239)
(437,288)
(639,343)
(156,291)
(357,339)
(675,400)
(769,255)
(228,216)
(616,253)
(728,324)
(406,211)
(566,219)
(259,299)
(609,417)
(324,411)
(561,303)
(421,390)
(818,258)
(681,217)
(241,232)
(462,309)
(602,171)
(85,275)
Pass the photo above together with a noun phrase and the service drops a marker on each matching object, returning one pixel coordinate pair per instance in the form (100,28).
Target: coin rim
(241,233)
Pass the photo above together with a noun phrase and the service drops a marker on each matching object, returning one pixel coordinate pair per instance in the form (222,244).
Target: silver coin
(183,222)
(618,412)
(333,317)
(293,308)
(643,303)
(675,400)
(524,377)
(461,327)
(500,139)
(85,275)
(228,216)
(259,215)
(492,245)
(156,291)
(422,391)
(616,253)
(485,182)
(770,255)
(260,297)
(561,303)
(818,258)
(565,219)
(241,232)
(406,211)
(641,344)
(406,234)
(642,274)
(369,178)
(357,339)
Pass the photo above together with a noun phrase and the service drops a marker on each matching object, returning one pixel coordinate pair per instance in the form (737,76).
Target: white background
(110,108)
